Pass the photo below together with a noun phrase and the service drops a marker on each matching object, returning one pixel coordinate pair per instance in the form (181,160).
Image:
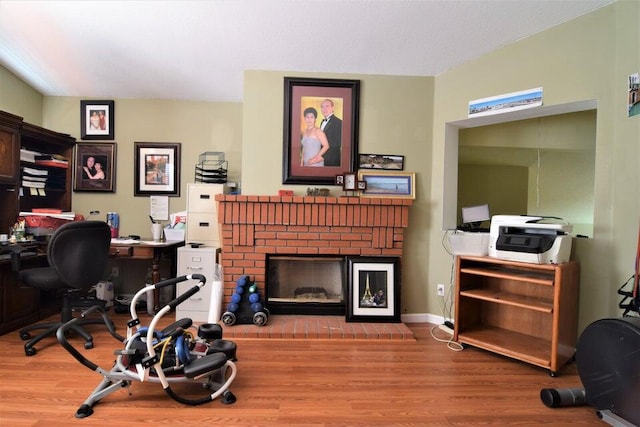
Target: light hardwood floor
(298,382)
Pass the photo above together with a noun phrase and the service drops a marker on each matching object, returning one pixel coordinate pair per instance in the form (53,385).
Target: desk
(148,250)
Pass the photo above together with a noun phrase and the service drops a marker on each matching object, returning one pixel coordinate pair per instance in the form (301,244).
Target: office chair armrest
(15,251)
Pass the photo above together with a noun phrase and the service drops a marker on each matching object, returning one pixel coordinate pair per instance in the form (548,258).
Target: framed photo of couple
(95,167)
(320,129)
(97,120)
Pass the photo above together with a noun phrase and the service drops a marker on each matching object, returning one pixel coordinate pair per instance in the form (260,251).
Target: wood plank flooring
(297,382)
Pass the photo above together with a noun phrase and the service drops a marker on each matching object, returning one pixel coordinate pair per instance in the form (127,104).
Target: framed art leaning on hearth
(373,293)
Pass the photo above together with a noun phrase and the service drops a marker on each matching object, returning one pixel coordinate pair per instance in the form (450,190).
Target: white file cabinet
(202,213)
(200,260)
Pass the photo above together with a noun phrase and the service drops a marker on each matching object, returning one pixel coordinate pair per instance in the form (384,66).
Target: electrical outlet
(115,271)
(440,290)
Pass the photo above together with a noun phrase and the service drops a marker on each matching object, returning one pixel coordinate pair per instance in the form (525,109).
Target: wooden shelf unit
(21,306)
(521,310)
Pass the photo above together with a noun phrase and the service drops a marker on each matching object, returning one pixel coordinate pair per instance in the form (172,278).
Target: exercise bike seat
(205,364)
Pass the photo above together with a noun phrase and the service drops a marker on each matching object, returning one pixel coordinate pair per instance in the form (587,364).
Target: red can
(113,220)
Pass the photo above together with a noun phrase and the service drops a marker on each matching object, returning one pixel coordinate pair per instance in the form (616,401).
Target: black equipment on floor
(608,361)
(77,254)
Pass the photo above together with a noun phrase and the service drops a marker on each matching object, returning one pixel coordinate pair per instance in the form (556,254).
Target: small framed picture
(381,161)
(362,185)
(373,289)
(349,183)
(390,185)
(339,180)
(156,169)
(97,120)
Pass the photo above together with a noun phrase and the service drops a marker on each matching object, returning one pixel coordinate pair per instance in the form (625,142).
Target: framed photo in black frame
(373,293)
(97,120)
(156,169)
(315,150)
(95,167)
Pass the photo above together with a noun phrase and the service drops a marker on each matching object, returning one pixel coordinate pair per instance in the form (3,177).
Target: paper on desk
(159,207)
(124,241)
(178,220)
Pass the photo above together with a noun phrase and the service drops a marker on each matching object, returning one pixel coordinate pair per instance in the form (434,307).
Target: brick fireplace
(254,227)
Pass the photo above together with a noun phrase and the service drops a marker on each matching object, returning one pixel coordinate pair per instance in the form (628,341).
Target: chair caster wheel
(31,351)
(88,345)
(24,336)
(228,398)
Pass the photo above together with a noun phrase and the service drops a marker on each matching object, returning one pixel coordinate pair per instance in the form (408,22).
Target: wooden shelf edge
(509,299)
(508,343)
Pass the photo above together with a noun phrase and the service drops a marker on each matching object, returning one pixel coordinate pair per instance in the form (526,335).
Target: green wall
(587,59)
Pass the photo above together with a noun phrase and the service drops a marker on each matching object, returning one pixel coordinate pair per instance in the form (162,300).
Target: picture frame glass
(95,167)
(391,185)
(315,150)
(157,169)
(374,289)
(97,120)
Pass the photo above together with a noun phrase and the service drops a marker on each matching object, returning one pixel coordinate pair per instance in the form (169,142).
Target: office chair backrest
(79,252)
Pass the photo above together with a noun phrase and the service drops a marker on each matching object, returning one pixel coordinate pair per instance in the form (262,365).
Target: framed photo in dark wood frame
(95,167)
(339,100)
(157,169)
(97,120)
(373,293)
(381,161)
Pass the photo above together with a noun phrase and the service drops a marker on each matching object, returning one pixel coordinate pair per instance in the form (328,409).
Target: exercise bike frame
(214,371)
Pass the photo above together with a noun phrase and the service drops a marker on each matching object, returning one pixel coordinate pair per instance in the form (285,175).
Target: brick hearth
(254,226)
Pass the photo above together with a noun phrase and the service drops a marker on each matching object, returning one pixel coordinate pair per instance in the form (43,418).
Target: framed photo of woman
(320,129)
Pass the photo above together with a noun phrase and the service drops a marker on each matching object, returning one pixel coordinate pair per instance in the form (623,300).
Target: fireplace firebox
(311,285)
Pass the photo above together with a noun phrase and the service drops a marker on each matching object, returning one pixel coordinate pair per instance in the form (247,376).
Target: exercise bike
(171,355)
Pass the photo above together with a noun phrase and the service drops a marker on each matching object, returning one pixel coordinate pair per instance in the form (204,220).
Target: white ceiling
(199,50)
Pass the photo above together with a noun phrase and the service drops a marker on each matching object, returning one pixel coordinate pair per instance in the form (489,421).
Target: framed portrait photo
(157,169)
(390,185)
(373,289)
(95,167)
(320,129)
(97,120)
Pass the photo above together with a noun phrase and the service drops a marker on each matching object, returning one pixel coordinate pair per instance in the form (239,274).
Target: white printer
(536,239)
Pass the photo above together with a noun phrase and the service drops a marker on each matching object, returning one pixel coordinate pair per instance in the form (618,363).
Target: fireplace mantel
(254,226)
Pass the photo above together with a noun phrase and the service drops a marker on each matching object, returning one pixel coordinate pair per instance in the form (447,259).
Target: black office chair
(77,253)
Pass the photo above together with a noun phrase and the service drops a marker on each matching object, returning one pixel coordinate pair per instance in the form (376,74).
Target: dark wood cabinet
(22,306)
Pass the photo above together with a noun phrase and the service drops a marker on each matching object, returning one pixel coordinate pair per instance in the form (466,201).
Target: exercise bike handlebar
(190,292)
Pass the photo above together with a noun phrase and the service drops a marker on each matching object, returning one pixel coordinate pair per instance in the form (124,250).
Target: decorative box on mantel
(254,226)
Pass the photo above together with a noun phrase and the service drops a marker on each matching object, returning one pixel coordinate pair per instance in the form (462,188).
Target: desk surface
(148,243)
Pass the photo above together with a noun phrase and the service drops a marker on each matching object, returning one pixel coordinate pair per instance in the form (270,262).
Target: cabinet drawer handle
(195,299)
(203,224)
(194,268)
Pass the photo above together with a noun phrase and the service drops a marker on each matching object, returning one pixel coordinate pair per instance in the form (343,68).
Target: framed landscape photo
(381,161)
(95,167)
(156,169)
(320,129)
(97,120)
(373,293)
(391,185)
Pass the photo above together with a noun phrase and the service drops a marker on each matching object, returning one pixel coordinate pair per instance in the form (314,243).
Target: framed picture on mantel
(320,129)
